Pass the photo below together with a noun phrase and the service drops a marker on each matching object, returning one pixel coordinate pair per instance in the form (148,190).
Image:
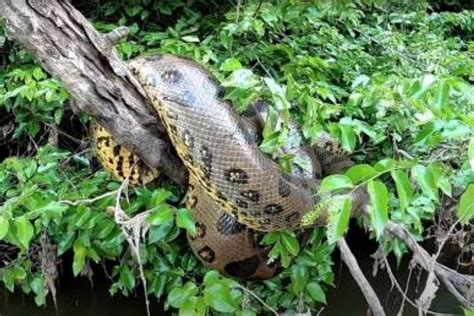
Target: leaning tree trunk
(68,47)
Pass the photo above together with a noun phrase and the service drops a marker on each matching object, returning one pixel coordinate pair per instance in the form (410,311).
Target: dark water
(77,297)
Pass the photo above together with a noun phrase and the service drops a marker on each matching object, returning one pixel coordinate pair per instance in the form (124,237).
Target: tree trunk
(69,48)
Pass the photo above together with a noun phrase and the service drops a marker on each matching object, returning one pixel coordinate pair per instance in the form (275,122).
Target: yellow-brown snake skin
(235,191)
(218,152)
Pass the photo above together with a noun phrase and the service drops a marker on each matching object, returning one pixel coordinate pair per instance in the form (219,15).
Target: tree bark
(68,47)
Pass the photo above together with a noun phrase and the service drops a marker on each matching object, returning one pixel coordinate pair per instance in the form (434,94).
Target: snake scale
(235,192)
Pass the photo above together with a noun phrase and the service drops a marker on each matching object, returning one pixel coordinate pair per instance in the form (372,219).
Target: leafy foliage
(392,81)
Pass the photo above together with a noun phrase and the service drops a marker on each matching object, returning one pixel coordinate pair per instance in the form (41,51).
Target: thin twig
(239,4)
(89,201)
(258,299)
(133,228)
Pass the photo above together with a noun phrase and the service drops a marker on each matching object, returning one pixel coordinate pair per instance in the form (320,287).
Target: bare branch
(460,285)
(358,275)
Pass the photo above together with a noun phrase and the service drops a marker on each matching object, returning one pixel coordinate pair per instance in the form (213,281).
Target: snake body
(218,152)
(235,192)
(221,242)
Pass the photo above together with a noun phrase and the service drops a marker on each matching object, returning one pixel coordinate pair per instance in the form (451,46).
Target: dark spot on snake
(243,268)
(102,139)
(258,139)
(119,167)
(172,76)
(292,217)
(260,106)
(249,111)
(173,128)
(236,175)
(228,225)
(186,99)
(207,254)
(192,201)
(251,195)
(264,221)
(220,92)
(284,188)
(241,128)
(188,139)
(116,150)
(241,203)
(221,196)
(206,158)
(273,209)
(131,160)
(200,230)
(111,161)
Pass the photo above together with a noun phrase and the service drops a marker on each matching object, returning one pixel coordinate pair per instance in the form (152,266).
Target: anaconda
(238,190)
(217,151)
(221,242)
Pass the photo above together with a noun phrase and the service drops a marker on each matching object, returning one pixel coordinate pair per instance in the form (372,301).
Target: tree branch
(358,275)
(460,285)
(68,47)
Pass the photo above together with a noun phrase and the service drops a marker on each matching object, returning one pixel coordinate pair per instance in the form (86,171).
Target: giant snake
(236,192)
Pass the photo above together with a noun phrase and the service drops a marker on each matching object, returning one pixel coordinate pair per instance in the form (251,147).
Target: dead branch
(460,285)
(68,47)
(358,275)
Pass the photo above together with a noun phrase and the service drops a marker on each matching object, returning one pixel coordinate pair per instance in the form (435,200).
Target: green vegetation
(392,80)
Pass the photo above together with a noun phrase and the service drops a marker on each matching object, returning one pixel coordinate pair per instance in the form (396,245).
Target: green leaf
(79,257)
(190,39)
(316,292)
(231,64)
(179,295)
(291,243)
(218,296)
(421,89)
(335,182)
(379,205)
(241,78)
(466,205)
(38,287)
(299,276)
(441,95)
(470,153)
(359,173)
(188,308)
(160,196)
(348,137)
(426,181)
(185,220)
(4,224)
(24,231)
(162,214)
(339,224)
(126,277)
(404,188)
(38,73)
(385,165)
(246,313)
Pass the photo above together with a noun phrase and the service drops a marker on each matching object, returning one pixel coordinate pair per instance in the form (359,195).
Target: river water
(76,297)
